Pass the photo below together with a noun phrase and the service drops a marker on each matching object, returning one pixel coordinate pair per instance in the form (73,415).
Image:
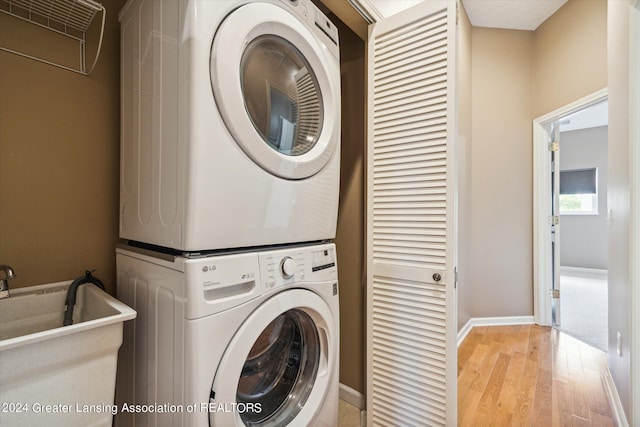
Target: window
(578,192)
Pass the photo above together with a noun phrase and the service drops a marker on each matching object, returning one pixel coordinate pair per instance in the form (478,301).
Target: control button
(287,267)
(271,282)
(302,275)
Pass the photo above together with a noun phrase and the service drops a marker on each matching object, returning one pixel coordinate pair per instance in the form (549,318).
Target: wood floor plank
(595,394)
(561,409)
(467,348)
(524,404)
(598,420)
(479,354)
(486,367)
(542,401)
(533,349)
(577,421)
(510,339)
(489,401)
(467,408)
(579,390)
(522,339)
(509,393)
(501,418)
(545,353)
(465,378)
(573,355)
(587,358)
(560,366)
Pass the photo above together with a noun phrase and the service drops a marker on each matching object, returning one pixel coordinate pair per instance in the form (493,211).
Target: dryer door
(278,90)
(280,365)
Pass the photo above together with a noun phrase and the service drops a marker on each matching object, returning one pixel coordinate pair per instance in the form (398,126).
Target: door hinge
(554,146)
(554,220)
(554,293)
(457,12)
(455,277)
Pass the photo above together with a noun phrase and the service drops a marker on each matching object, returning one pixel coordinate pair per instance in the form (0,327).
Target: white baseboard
(352,396)
(492,321)
(614,400)
(462,333)
(588,273)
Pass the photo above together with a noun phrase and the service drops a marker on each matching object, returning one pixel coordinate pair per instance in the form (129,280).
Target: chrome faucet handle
(4,283)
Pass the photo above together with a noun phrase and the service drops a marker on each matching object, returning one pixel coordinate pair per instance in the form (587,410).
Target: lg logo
(208,268)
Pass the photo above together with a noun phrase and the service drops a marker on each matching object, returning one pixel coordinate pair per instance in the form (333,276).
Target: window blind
(582,181)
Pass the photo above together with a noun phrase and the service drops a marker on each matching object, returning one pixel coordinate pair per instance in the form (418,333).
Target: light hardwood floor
(348,415)
(530,375)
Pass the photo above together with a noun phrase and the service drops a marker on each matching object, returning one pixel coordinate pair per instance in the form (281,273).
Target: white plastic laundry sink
(54,375)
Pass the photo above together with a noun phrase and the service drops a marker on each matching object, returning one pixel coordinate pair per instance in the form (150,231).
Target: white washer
(230,123)
(230,340)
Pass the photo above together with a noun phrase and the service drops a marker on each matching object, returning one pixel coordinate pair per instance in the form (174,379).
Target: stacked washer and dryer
(229,185)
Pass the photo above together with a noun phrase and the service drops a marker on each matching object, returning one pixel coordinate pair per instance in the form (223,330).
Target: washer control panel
(298,264)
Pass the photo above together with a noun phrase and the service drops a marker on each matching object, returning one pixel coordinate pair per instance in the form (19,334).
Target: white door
(276,370)
(277,88)
(411,221)
(554,226)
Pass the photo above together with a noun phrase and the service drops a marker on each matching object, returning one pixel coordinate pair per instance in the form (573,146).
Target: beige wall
(619,200)
(501,174)
(464,167)
(59,148)
(351,220)
(569,55)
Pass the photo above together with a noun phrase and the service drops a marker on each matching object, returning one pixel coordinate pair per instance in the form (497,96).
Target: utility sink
(54,375)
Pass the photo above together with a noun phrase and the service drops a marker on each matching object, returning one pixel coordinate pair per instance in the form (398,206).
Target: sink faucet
(4,283)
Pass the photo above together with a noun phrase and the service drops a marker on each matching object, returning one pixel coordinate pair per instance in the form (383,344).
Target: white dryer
(245,339)
(230,123)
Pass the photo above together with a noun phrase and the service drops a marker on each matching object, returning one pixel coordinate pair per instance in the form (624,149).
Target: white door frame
(542,262)
(634,170)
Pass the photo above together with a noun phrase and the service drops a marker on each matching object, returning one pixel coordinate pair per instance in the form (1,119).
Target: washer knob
(287,267)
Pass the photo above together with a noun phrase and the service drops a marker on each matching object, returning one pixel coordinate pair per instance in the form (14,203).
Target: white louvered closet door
(411,325)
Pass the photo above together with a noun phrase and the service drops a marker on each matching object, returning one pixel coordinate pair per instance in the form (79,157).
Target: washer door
(277,89)
(278,366)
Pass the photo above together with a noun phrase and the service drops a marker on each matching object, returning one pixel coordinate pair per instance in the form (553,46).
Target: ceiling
(508,14)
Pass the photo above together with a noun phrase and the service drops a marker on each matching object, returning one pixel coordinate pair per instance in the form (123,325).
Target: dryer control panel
(317,20)
(298,264)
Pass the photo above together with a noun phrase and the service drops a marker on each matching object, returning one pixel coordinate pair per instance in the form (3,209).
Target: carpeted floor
(584,309)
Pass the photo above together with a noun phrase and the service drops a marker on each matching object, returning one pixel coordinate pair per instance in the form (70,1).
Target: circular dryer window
(281,95)
(280,370)
(276,84)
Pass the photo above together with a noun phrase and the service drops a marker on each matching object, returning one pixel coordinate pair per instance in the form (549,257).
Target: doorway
(579,225)
(548,231)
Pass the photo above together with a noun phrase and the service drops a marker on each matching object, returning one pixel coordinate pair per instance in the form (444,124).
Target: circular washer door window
(280,370)
(277,89)
(277,369)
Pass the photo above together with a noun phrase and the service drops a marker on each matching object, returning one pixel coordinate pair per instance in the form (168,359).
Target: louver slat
(408,213)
